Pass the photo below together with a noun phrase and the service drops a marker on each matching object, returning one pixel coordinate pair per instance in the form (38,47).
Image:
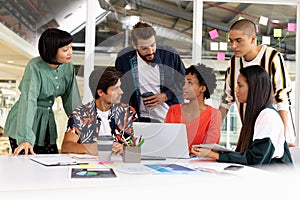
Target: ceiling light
(128,7)
(10,61)
(130,21)
(68,15)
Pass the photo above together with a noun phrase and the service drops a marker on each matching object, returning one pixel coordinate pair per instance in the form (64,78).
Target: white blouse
(270,125)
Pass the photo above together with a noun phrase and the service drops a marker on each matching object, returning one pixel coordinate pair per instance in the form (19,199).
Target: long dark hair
(260,95)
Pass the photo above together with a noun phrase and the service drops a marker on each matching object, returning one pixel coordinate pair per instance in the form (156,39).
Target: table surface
(21,176)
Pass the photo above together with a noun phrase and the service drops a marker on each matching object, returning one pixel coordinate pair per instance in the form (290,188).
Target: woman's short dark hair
(205,76)
(102,78)
(142,31)
(50,41)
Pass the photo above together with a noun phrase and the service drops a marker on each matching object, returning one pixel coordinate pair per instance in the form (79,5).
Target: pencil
(125,141)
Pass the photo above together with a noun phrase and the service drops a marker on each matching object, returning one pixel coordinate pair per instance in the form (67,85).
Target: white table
(21,178)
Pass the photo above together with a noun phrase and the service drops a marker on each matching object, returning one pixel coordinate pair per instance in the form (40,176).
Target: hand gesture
(155,100)
(117,148)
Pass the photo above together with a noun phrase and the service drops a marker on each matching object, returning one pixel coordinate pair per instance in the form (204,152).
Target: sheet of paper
(132,168)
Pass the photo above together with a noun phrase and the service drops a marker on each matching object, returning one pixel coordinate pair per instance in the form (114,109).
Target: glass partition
(173,21)
(275,27)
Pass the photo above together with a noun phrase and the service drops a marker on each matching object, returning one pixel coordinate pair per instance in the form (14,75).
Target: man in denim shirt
(147,67)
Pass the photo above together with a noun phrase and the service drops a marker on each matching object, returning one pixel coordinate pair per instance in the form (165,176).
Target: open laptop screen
(167,140)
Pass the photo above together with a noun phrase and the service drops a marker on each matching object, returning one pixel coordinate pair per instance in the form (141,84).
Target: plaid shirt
(84,122)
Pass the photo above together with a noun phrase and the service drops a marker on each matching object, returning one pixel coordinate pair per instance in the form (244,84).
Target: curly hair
(206,76)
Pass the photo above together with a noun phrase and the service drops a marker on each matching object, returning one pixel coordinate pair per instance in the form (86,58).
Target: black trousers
(46,149)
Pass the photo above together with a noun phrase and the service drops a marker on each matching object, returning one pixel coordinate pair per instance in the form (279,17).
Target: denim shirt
(171,68)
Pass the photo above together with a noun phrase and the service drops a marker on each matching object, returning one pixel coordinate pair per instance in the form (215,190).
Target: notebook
(162,140)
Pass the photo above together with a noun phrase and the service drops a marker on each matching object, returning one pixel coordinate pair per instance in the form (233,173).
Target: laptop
(162,140)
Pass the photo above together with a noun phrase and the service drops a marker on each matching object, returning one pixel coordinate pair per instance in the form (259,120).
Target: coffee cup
(105,144)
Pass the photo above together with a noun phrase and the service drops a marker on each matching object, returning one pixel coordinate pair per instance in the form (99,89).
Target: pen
(130,142)
(141,143)
(137,141)
(68,163)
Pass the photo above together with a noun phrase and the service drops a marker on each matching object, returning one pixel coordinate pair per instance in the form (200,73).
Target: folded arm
(70,145)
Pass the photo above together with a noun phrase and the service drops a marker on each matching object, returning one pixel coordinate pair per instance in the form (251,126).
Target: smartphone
(147,94)
(233,167)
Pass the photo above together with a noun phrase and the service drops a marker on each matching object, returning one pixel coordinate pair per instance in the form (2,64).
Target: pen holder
(132,154)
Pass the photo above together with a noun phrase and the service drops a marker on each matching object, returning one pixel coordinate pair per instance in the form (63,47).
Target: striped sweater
(274,64)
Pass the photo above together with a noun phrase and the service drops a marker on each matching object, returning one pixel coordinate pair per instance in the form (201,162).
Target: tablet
(213,147)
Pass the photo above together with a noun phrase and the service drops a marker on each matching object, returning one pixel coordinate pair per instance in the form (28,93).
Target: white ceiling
(15,49)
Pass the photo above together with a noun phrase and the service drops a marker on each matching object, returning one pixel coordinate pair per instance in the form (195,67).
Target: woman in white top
(261,139)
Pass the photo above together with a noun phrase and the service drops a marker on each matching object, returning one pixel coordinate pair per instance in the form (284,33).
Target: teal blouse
(28,119)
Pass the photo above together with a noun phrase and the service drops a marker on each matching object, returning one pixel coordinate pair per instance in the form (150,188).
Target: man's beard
(145,57)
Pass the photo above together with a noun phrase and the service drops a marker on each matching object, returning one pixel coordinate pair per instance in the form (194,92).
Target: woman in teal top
(30,123)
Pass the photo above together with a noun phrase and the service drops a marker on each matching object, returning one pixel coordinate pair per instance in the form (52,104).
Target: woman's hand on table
(207,153)
(27,148)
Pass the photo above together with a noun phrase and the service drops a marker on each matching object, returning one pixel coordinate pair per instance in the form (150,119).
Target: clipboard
(56,161)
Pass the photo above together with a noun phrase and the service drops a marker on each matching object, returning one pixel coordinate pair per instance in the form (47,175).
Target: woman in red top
(202,121)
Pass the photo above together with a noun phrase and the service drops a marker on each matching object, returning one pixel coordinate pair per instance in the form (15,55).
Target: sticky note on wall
(292,27)
(214,46)
(263,20)
(277,32)
(266,40)
(223,46)
(213,34)
(220,56)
